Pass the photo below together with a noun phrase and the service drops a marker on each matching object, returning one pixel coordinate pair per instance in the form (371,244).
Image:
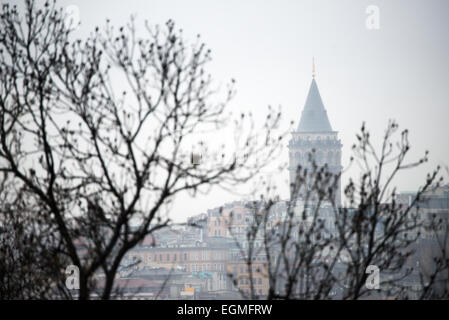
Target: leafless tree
(314,249)
(97,135)
(29,265)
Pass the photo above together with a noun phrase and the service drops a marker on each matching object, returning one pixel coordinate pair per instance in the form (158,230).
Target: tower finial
(313,67)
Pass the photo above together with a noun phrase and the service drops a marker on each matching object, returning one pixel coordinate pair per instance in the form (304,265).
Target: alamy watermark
(72,17)
(373,280)
(73,280)
(372,21)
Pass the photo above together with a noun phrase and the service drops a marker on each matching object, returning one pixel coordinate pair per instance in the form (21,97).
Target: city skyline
(200,150)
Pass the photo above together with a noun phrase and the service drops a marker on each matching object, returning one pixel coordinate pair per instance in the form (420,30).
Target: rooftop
(314,116)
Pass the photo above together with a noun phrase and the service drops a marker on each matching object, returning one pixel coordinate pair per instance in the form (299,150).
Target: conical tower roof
(314,116)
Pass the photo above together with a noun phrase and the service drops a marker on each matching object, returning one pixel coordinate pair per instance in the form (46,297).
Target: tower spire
(313,67)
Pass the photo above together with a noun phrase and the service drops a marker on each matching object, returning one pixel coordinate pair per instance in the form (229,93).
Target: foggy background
(399,71)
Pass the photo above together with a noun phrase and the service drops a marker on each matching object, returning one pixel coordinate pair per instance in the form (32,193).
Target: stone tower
(314,132)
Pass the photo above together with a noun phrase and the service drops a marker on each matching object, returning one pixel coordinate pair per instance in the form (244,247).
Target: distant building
(433,205)
(207,256)
(241,274)
(314,133)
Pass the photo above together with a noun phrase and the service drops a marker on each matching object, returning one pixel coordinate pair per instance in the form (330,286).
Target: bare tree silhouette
(97,136)
(315,250)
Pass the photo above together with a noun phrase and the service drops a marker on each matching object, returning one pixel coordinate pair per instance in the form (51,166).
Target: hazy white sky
(400,71)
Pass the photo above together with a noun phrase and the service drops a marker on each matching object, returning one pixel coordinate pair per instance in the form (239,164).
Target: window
(174,257)
(260,280)
(205,255)
(168,256)
(160,257)
(185,256)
